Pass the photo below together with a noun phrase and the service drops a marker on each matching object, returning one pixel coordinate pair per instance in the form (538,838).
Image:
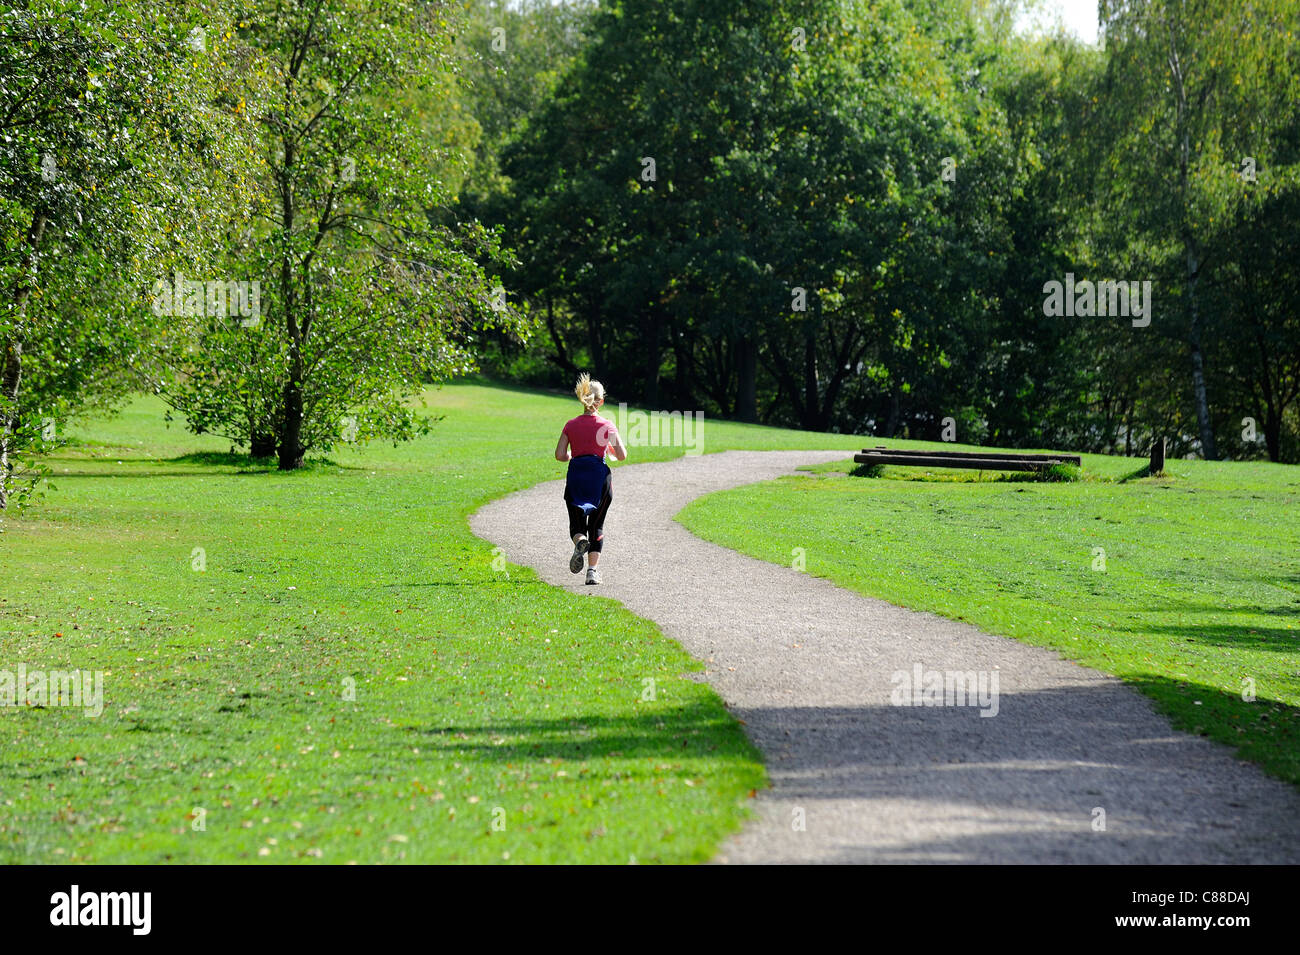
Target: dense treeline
(287,217)
(845,215)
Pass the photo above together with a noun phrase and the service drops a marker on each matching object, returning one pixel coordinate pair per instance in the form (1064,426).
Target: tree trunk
(1273,436)
(747,390)
(262,445)
(811,401)
(9,383)
(895,413)
(561,356)
(1193,261)
(1208,449)
(653,359)
(291,449)
(1128,429)
(11,375)
(596,344)
(684,396)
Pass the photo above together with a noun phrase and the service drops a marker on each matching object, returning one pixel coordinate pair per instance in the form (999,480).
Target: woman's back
(589,434)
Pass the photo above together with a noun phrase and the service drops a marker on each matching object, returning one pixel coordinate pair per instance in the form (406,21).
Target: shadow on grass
(491,582)
(1020,787)
(694,731)
(1263,730)
(1144,472)
(206,463)
(212,463)
(209,472)
(251,464)
(231,459)
(1291,611)
(1286,610)
(483,380)
(1052,474)
(1086,740)
(1229,635)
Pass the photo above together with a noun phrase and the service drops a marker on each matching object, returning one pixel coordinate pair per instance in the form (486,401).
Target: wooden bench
(983,461)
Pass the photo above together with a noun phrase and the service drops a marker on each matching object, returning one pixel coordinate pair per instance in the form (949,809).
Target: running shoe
(580,546)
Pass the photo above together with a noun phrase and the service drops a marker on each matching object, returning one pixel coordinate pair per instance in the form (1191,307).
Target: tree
(1195,85)
(364,291)
(512,54)
(747,203)
(1260,284)
(115,137)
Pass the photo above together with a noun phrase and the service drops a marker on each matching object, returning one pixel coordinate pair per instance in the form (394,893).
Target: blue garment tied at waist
(586,481)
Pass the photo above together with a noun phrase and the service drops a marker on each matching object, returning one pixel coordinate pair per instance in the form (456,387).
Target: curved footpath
(807,666)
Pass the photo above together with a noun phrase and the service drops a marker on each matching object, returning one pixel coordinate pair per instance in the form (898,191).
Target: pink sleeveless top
(590,434)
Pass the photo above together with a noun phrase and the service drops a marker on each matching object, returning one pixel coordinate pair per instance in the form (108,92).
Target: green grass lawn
(349,678)
(353,676)
(1198,593)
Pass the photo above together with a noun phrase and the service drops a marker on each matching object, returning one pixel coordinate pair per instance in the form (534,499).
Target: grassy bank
(349,677)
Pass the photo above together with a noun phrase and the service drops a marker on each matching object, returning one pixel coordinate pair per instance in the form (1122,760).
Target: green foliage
(512,56)
(365,294)
(817,164)
(117,140)
(1202,130)
(795,146)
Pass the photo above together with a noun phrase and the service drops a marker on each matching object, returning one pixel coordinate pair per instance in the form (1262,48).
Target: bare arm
(617,448)
(562,448)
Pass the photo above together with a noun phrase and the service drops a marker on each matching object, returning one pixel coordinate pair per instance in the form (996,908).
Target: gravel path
(808,667)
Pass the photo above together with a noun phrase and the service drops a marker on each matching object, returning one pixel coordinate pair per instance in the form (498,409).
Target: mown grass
(1197,600)
(352,677)
(481,696)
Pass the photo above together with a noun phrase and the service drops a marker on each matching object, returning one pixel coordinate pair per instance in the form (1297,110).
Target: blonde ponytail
(590,393)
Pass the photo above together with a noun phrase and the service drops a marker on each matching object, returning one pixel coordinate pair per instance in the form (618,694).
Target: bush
(868,470)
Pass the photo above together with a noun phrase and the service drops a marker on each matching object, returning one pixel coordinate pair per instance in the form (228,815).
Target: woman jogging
(588,488)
